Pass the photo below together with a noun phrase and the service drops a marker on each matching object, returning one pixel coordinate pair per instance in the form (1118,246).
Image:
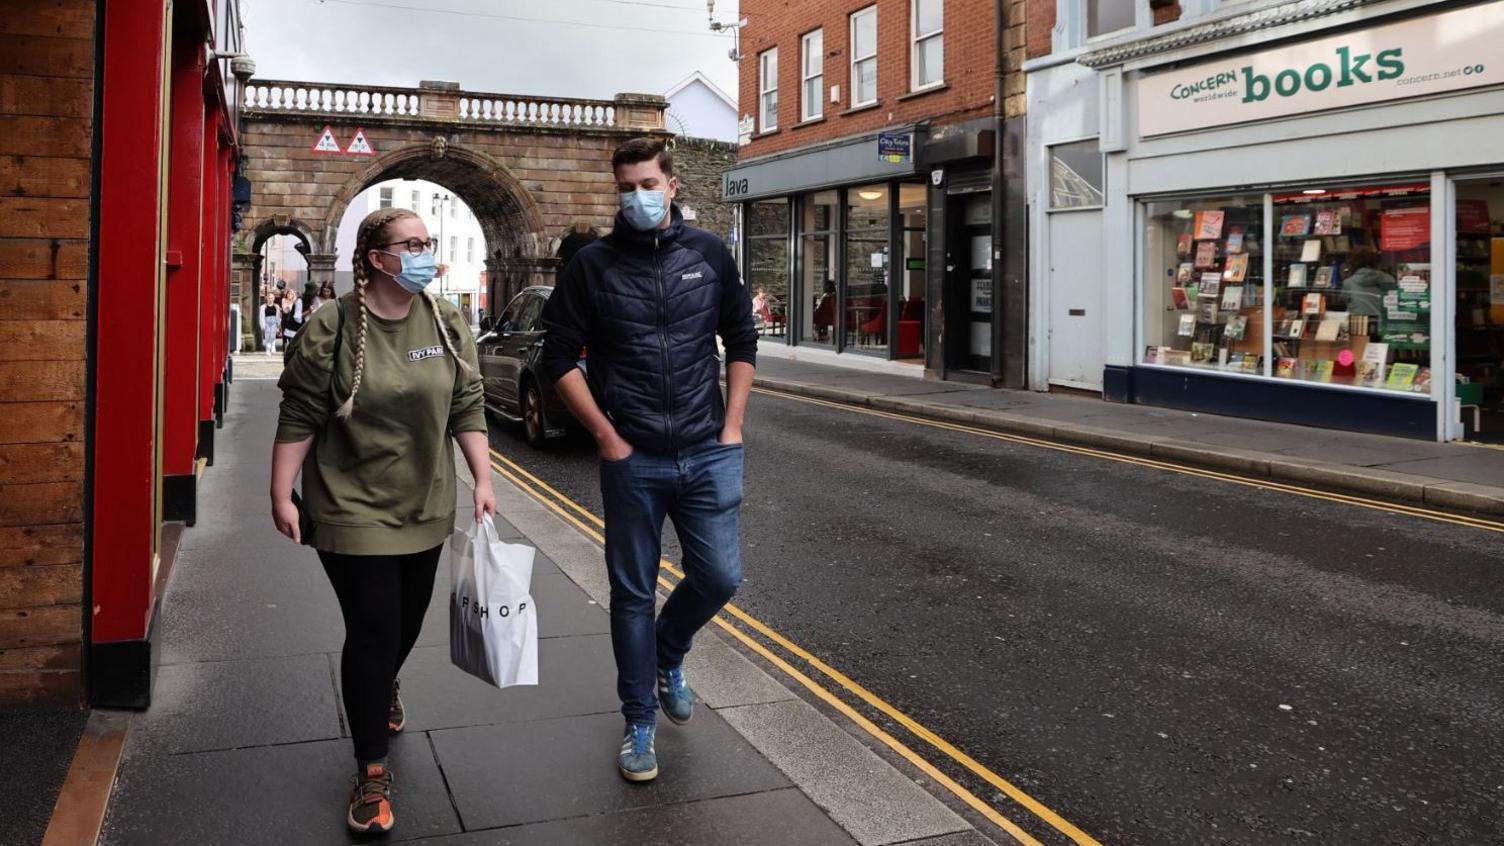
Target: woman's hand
(485,499)
(285,516)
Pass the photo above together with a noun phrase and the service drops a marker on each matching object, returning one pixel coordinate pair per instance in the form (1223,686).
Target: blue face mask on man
(417,271)
(644,209)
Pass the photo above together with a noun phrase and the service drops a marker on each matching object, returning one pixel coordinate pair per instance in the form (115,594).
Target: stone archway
(508,214)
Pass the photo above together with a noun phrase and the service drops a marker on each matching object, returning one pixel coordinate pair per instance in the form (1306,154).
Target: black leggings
(383,599)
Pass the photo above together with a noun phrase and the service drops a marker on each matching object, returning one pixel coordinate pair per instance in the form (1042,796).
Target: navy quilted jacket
(647,307)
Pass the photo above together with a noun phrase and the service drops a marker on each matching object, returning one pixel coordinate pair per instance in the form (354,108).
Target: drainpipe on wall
(999,115)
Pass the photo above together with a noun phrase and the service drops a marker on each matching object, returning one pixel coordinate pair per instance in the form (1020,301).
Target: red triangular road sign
(359,146)
(326,142)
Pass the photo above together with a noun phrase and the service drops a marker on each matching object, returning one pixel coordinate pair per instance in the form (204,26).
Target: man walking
(646,302)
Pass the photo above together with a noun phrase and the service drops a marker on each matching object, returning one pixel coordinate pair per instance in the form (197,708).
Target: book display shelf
(1349,299)
(1211,309)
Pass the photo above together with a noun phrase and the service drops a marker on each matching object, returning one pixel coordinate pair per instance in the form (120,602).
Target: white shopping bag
(493,623)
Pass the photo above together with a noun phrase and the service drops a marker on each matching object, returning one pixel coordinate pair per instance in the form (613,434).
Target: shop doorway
(1075,314)
(968,294)
(1480,308)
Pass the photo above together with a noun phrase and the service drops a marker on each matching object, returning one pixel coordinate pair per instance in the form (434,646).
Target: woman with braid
(373,391)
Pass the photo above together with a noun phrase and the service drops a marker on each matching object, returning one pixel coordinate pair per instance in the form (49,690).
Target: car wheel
(532,415)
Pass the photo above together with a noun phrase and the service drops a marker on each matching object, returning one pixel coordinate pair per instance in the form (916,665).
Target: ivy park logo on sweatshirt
(426,352)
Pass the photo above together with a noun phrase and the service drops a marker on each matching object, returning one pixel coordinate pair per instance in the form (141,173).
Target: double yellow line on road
(745,628)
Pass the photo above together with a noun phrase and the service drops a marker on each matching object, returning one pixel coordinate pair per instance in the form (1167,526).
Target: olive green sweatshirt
(383,481)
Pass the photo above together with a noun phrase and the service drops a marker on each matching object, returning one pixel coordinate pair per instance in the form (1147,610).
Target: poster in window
(1404,229)
(981,295)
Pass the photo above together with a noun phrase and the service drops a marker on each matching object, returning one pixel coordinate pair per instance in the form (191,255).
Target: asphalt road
(1159,658)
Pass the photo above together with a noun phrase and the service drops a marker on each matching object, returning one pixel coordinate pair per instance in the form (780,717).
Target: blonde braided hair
(372,229)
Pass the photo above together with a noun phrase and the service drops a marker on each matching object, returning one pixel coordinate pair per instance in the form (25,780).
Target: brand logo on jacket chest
(696,275)
(426,352)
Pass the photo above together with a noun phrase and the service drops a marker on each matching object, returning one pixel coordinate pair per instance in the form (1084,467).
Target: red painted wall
(185,242)
(124,525)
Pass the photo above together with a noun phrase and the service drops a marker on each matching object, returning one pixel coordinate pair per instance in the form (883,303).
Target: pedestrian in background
(294,313)
(271,319)
(325,296)
(670,446)
(375,392)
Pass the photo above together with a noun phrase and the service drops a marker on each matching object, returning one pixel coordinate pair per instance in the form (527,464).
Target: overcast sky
(575,48)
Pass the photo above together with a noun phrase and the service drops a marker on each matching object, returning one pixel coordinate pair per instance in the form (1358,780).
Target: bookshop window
(1204,285)
(1352,287)
(768,260)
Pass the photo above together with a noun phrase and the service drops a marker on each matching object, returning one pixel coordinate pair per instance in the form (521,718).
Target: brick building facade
(874,175)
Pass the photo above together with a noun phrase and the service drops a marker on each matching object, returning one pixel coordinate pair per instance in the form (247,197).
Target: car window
(508,322)
(532,309)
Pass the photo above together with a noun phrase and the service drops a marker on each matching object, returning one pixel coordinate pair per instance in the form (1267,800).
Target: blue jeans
(700,487)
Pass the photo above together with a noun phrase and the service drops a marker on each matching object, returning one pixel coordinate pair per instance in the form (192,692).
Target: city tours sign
(1416,57)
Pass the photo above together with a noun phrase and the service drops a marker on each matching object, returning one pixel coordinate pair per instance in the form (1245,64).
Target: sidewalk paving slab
(1455,476)
(780,817)
(245,739)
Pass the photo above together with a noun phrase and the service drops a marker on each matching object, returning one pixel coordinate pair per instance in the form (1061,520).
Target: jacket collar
(626,235)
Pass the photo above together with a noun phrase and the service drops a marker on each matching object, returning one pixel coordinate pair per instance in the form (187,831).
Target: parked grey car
(509,366)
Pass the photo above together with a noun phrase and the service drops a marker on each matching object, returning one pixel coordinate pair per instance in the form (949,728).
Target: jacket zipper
(668,407)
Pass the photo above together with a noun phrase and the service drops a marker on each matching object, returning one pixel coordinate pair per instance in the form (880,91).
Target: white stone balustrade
(277,97)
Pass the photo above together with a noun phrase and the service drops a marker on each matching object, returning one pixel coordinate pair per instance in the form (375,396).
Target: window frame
(853,78)
(805,77)
(917,40)
(1086,34)
(767,59)
(385,198)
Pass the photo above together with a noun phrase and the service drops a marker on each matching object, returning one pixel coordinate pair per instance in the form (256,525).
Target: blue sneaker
(674,695)
(638,760)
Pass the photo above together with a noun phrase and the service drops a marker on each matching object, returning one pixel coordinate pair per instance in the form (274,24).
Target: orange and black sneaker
(371,802)
(396,718)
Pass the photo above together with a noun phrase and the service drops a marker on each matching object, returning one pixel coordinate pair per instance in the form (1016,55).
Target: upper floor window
(470,251)
(414,206)
(812,75)
(767,89)
(386,198)
(864,57)
(1108,16)
(927,59)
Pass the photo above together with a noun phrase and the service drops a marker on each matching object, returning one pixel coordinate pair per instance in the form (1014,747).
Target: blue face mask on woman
(417,271)
(644,209)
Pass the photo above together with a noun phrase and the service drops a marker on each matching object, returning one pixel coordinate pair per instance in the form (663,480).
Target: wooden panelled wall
(46,131)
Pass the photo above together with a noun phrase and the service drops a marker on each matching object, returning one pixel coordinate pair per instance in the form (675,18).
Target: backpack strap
(339,343)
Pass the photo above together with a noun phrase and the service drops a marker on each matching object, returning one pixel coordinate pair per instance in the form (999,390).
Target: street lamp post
(440,200)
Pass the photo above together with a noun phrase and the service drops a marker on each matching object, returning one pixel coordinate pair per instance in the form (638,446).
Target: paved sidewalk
(245,739)
(1450,476)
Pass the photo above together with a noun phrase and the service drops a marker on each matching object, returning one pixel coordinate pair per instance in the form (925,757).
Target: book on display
(1311,250)
(1297,277)
(1206,254)
(1237,267)
(1209,224)
(1295,225)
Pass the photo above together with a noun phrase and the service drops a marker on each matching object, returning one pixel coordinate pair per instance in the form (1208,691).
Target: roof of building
(701,78)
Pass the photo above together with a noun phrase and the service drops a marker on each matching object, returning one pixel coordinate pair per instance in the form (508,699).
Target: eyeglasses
(415,246)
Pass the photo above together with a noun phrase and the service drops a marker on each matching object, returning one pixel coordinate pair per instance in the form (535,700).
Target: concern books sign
(1413,58)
